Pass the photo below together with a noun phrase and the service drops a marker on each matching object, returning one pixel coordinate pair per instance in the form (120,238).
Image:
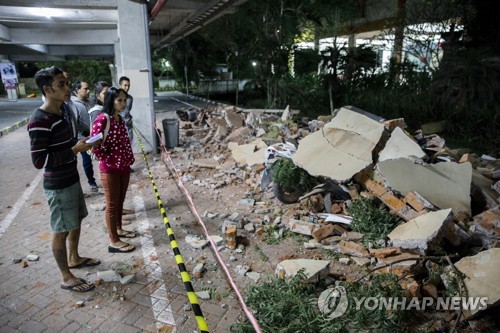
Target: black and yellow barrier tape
(193,299)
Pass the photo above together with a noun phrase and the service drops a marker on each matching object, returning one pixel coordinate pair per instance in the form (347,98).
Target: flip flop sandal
(127,234)
(80,286)
(87,262)
(123,249)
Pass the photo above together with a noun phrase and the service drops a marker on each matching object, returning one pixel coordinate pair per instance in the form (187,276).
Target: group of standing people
(59,129)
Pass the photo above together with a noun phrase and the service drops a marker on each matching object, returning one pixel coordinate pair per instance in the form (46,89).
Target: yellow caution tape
(193,299)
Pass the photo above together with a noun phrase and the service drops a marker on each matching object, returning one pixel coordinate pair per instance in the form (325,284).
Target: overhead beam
(37,47)
(87,50)
(184,5)
(68,37)
(5,33)
(35,58)
(202,16)
(89,4)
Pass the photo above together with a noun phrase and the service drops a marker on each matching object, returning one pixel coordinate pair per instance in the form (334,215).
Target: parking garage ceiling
(47,30)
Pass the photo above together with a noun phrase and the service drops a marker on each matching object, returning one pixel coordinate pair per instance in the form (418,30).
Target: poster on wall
(8,72)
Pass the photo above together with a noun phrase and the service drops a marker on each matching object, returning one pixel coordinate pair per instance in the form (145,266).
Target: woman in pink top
(115,158)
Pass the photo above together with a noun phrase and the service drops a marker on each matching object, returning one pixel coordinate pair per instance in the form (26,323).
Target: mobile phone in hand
(96,137)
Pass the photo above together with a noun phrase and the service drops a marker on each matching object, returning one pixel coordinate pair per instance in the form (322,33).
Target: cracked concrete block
(108,276)
(206,163)
(423,232)
(342,148)
(301,227)
(352,248)
(248,154)
(322,232)
(482,273)
(233,119)
(221,133)
(383,252)
(241,152)
(405,260)
(488,223)
(400,145)
(314,270)
(445,184)
(239,134)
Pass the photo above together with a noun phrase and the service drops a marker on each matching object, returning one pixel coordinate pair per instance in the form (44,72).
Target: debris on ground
(426,207)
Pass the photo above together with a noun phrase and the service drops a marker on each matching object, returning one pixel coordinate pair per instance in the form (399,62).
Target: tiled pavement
(31,299)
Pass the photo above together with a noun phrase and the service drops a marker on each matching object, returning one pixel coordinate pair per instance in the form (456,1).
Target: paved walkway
(31,299)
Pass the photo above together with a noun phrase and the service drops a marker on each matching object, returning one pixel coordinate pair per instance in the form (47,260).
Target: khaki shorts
(67,208)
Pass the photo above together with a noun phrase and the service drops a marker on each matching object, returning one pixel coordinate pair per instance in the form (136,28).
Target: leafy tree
(86,70)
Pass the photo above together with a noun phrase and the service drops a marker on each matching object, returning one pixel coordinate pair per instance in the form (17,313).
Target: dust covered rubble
(444,198)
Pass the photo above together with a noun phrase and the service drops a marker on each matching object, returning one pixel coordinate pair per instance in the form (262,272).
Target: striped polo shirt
(51,139)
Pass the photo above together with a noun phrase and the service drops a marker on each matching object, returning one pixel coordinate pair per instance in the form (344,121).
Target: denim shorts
(67,208)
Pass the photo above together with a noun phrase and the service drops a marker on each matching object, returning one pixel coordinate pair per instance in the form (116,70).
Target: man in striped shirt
(54,148)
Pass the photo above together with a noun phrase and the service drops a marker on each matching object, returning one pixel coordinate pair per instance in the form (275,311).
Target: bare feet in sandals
(121,247)
(80,285)
(126,233)
(85,263)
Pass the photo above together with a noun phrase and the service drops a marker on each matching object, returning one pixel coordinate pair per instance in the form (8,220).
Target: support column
(133,59)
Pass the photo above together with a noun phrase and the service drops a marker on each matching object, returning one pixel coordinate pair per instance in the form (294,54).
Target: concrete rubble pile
(448,201)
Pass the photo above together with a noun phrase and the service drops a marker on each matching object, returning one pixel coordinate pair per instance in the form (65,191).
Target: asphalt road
(14,112)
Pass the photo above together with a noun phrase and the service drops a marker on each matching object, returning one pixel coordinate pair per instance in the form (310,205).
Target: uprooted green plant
(289,306)
(291,177)
(372,221)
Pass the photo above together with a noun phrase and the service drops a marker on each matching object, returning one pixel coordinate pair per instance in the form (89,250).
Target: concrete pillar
(117,66)
(133,59)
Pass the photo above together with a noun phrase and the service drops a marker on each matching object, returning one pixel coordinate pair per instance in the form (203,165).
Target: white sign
(8,72)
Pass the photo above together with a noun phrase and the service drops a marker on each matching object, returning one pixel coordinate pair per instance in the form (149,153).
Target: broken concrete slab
(206,163)
(423,232)
(352,236)
(342,148)
(314,270)
(482,273)
(384,252)
(405,260)
(400,145)
(248,154)
(286,113)
(108,276)
(239,134)
(445,184)
(233,119)
(353,249)
(322,232)
(301,227)
(220,133)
